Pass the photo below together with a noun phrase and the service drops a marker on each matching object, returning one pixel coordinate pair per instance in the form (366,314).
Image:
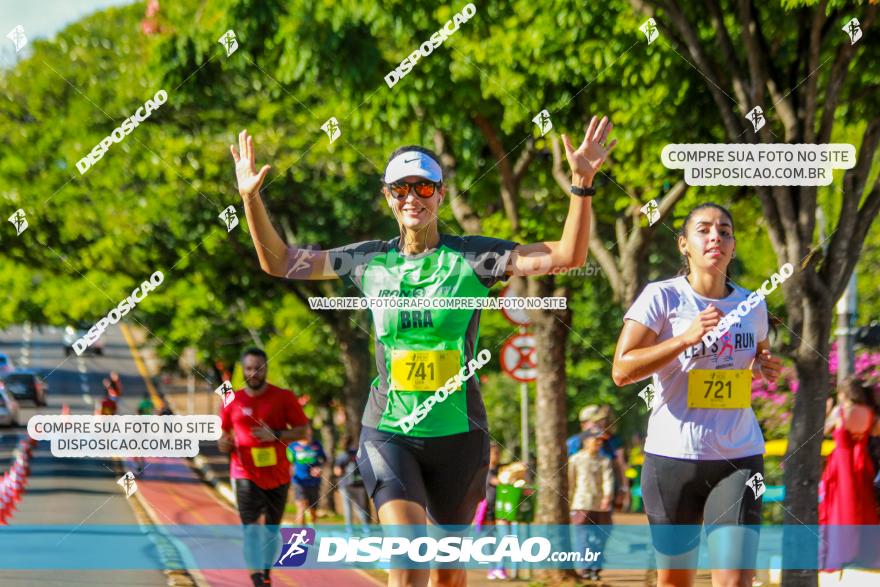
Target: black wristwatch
(582,192)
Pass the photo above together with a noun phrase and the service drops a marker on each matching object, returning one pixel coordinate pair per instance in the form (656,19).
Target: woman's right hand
(703,323)
(249,181)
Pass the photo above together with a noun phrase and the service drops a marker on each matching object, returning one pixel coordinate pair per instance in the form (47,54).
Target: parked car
(6,365)
(26,385)
(72,334)
(8,408)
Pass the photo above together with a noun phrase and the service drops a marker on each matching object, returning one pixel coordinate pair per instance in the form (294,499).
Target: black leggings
(691,492)
(444,474)
(261,543)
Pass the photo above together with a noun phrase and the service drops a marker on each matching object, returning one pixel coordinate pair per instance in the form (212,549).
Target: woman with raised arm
(704,446)
(423,458)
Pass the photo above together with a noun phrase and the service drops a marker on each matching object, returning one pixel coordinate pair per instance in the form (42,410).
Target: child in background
(591,489)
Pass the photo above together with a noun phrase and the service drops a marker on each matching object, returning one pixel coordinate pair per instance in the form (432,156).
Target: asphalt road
(77,492)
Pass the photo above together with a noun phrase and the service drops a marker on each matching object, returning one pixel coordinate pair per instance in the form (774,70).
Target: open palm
(249,181)
(592,152)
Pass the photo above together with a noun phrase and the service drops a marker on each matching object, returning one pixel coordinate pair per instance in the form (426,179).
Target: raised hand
(249,181)
(586,160)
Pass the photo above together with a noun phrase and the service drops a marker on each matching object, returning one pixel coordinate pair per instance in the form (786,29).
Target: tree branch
(508,183)
(852,222)
(726,46)
(732,125)
(462,211)
(815,46)
(839,71)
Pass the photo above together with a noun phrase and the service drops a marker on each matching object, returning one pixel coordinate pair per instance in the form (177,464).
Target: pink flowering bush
(773,402)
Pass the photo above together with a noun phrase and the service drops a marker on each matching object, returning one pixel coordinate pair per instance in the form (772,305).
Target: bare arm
(571,250)
(638,355)
(831,421)
(276,258)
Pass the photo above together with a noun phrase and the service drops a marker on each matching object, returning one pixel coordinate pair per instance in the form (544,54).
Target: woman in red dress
(847,490)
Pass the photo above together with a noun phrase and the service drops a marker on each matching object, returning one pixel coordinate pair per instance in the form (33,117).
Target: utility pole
(846,331)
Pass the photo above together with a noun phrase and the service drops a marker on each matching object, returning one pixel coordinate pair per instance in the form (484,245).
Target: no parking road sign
(518,358)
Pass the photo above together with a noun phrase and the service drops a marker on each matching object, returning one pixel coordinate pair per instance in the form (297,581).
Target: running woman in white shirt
(704,442)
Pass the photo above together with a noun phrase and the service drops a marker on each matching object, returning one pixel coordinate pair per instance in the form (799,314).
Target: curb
(222,487)
(169,553)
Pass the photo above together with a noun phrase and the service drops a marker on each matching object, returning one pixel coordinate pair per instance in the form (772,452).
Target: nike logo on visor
(410,160)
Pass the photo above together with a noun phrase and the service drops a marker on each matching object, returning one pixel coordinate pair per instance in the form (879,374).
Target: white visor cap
(413,163)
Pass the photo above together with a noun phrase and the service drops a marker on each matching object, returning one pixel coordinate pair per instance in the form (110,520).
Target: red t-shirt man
(263,462)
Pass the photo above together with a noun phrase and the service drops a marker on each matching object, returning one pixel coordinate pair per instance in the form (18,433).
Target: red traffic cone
(65,409)
(8,501)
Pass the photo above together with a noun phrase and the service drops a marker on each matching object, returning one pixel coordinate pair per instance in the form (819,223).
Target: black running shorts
(444,474)
(693,492)
(252,501)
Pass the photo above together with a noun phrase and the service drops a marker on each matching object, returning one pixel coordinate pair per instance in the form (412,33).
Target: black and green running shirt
(417,350)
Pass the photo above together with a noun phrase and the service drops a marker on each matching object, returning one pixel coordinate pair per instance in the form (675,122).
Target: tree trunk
(329,441)
(354,347)
(803,459)
(550,329)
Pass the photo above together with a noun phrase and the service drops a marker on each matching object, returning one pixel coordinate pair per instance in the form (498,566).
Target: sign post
(521,319)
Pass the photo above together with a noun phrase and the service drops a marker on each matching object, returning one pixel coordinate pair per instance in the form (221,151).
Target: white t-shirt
(674,430)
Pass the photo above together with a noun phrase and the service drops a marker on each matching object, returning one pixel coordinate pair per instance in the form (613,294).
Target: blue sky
(42,19)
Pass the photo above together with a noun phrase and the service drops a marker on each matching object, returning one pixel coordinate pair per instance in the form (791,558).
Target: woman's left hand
(768,366)
(586,160)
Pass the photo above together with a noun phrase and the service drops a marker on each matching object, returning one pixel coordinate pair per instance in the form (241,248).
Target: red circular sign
(514,316)
(518,358)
